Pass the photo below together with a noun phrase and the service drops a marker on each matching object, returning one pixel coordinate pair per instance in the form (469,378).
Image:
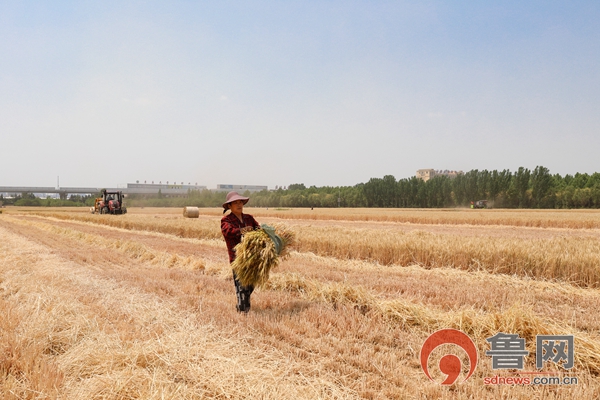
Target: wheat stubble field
(142,306)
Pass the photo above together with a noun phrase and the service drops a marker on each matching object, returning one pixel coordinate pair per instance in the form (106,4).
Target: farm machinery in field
(109,203)
(479,204)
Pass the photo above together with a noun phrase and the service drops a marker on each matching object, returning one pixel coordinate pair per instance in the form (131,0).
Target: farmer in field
(233,226)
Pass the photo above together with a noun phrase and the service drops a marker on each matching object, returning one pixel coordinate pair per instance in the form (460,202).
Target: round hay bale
(191,212)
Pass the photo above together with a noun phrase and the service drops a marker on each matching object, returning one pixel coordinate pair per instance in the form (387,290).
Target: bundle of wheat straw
(260,251)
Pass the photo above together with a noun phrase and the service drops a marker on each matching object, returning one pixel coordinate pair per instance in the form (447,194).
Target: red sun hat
(234,196)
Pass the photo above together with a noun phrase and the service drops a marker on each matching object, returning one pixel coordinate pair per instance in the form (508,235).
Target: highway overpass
(65,191)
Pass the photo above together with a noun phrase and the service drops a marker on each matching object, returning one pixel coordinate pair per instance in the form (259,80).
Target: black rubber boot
(243,295)
(243,302)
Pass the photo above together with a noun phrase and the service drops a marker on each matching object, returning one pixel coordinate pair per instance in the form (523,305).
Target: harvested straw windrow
(191,212)
(259,252)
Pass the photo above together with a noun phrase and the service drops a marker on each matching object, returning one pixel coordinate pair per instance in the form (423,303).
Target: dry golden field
(142,306)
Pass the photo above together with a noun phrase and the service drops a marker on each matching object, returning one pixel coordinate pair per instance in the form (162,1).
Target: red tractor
(110,203)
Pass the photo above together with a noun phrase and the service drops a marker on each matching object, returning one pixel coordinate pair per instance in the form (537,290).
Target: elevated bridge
(64,192)
(49,189)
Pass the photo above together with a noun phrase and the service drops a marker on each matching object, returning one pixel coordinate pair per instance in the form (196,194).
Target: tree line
(523,188)
(30,200)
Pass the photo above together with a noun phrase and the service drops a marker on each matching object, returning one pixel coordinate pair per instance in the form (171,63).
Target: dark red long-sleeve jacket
(230,227)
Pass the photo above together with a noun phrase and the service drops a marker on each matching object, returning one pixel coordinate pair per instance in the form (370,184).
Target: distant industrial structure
(241,188)
(166,189)
(427,174)
(48,191)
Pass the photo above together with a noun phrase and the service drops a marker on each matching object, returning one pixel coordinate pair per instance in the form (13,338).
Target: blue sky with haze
(324,93)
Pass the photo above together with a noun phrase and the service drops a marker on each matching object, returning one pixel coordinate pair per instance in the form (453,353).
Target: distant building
(165,188)
(240,188)
(427,174)
(161,185)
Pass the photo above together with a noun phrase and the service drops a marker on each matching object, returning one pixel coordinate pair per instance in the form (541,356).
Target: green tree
(297,186)
(484,181)
(521,184)
(580,180)
(541,183)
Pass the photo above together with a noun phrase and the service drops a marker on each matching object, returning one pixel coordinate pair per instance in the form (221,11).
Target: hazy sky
(325,93)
